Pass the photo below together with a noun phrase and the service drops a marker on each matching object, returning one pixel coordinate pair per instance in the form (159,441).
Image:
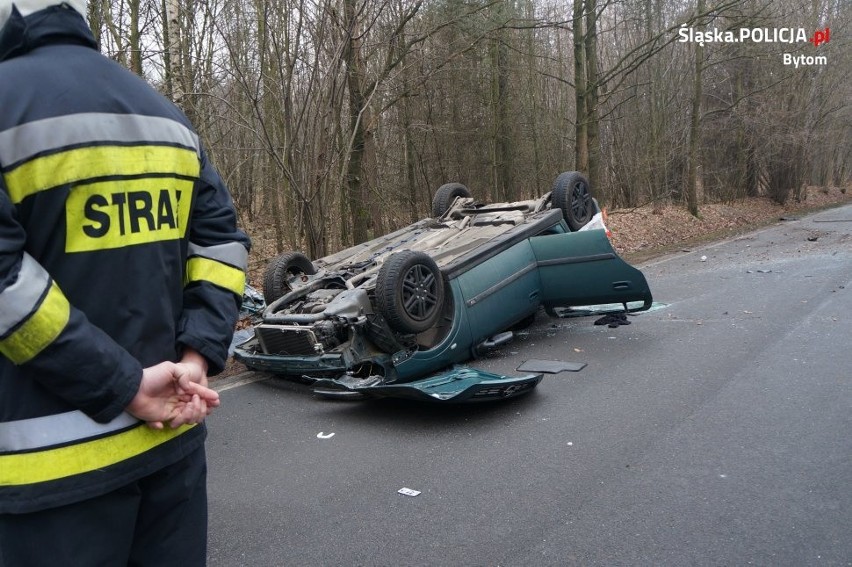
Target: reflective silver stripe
(231,253)
(21,298)
(40,432)
(27,140)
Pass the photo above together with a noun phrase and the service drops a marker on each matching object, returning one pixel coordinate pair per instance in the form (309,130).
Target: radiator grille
(284,339)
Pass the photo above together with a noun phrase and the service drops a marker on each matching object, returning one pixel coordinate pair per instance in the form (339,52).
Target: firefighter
(121,275)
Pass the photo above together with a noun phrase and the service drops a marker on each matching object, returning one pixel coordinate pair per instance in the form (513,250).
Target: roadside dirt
(646,232)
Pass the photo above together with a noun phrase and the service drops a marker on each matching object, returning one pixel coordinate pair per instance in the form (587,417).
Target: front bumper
(457,385)
(290,365)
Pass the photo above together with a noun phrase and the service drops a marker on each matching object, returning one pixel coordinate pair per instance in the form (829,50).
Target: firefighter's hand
(195,364)
(168,394)
(192,382)
(196,367)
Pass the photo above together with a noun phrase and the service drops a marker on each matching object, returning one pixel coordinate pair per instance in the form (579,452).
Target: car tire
(281,270)
(572,194)
(410,292)
(444,197)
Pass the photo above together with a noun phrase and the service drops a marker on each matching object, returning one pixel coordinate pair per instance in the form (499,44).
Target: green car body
(499,264)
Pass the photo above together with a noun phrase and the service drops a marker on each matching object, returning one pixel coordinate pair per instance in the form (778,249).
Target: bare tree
(695,124)
(335,120)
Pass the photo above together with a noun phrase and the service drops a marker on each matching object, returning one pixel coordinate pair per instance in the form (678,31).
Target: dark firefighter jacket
(118,247)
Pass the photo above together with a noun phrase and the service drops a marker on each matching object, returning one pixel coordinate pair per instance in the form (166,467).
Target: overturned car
(392,316)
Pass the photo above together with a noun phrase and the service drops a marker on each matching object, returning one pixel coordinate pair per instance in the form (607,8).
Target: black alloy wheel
(573,195)
(410,291)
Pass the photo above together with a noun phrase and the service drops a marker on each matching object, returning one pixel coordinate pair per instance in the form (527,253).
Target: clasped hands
(175,393)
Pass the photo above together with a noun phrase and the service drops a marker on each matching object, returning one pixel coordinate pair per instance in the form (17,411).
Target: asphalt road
(716,430)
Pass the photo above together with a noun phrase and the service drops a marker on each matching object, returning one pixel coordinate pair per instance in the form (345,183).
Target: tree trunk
(581,137)
(168,80)
(94,14)
(135,46)
(173,60)
(592,88)
(360,122)
(695,126)
(502,163)
(408,158)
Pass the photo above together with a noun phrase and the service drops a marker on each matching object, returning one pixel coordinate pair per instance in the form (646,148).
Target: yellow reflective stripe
(53,464)
(114,214)
(222,275)
(81,164)
(41,329)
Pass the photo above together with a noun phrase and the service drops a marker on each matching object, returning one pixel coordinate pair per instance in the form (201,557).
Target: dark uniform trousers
(157,521)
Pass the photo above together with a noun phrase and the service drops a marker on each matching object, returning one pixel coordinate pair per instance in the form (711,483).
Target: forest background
(334,121)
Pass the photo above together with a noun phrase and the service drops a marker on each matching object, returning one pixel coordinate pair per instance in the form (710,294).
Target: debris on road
(550,366)
(613,320)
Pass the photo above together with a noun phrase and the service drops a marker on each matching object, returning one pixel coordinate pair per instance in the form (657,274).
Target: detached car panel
(389,317)
(457,385)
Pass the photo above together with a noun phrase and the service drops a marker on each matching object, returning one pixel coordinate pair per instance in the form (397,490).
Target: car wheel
(444,197)
(282,273)
(572,194)
(410,292)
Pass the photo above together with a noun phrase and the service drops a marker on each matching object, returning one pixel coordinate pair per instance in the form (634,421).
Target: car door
(501,291)
(581,268)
